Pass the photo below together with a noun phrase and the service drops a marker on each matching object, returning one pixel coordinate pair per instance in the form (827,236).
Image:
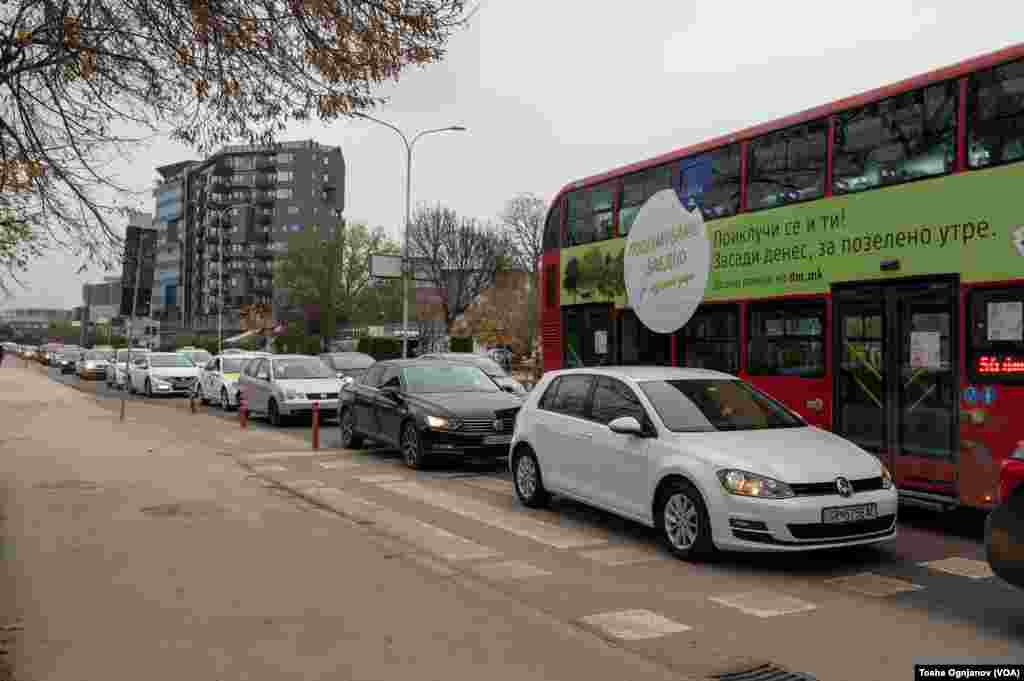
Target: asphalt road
(986,603)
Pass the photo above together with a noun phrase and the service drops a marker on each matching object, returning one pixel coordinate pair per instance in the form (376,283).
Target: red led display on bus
(996,364)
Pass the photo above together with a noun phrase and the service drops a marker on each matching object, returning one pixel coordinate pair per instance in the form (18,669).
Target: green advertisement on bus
(971,224)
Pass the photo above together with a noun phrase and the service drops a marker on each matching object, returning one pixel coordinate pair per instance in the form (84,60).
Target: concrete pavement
(136,550)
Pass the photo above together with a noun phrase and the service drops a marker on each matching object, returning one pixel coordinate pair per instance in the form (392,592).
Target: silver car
(117,371)
(282,386)
(163,373)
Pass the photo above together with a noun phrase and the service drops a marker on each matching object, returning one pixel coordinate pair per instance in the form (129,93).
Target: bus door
(896,383)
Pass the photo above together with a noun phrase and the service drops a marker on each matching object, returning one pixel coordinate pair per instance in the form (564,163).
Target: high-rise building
(266,193)
(169,197)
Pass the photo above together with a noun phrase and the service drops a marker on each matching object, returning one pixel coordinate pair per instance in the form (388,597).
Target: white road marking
(336,465)
(634,625)
(380,478)
(764,603)
(424,536)
(870,584)
(510,569)
(270,468)
(962,567)
(624,555)
(521,525)
(492,485)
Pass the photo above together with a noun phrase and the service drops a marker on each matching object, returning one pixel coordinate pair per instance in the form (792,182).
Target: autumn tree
(76,75)
(331,271)
(460,256)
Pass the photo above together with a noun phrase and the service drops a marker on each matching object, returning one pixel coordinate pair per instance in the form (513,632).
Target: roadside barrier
(316,425)
(243,409)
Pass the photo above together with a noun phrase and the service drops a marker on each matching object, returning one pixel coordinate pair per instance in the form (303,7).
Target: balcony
(264,181)
(218,183)
(221,167)
(264,162)
(264,197)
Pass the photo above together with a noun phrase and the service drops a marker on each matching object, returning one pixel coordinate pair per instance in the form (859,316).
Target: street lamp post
(220,271)
(405,235)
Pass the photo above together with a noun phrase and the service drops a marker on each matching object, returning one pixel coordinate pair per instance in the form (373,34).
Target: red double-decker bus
(867,269)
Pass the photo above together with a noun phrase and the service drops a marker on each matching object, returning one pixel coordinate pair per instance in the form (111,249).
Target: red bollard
(316,425)
(192,402)
(243,411)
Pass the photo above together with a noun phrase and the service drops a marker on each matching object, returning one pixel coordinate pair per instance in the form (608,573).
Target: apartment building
(169,211)
(250,199)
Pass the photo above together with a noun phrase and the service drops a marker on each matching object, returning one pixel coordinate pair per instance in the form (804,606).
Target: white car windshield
(447,379)
(168,361)
(301,368)
(198,357)
(703,405)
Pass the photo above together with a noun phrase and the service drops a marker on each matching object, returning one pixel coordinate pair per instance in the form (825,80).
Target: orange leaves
(184,57)
(87,63)
(331,106)
(202,89)
(17,176)
(232,88)
(72,33)
(23,39)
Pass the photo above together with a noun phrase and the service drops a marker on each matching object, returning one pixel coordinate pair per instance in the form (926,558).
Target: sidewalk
(138,550)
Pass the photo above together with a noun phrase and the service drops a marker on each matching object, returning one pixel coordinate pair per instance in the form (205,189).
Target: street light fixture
(220,268)
(405,235)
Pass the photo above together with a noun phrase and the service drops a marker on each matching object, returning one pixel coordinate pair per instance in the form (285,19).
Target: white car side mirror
(626,425)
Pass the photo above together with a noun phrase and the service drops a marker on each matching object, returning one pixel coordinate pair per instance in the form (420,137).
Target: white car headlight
(746,484)
(442,423)
(886,478)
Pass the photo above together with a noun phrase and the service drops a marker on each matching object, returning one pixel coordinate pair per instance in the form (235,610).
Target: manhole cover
(763,672)
(179,510)
(82,485)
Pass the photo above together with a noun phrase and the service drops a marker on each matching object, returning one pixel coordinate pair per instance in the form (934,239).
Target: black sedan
(348,364)
(67,361)
(428,408)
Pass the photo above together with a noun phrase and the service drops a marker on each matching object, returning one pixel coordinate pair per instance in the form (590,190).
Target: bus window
(787,339)
(787,166)
(899,139)
(712,181)
(995,115)
(578,228)
(711,339)
(996,335)
(553,227)
(636,189)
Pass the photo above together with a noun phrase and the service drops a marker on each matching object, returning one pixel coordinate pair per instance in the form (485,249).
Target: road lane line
(962,567)
(515,523)
(633,625)
(764,603)
(871,584)
(427,537)
(509,569)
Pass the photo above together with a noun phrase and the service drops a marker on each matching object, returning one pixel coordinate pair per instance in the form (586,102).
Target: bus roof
(957,70)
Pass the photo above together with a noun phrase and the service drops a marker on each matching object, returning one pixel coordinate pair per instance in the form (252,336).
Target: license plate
(849,514)
(497,439)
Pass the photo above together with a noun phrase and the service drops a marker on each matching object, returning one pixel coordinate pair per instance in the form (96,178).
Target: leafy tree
(64,332)
(523,217)
(77,74)
(331,271)
(19,242)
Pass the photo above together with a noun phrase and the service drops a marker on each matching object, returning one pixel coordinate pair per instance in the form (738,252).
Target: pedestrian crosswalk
(470,526)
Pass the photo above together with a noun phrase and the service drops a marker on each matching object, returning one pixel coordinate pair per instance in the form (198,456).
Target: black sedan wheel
(350,439)
(412,448)
(273,415)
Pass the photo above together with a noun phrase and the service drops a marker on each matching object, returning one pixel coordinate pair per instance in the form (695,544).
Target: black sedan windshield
(702,405)
(447,379)
(487,365)
(301,368)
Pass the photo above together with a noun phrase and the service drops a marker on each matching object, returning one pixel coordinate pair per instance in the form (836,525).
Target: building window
(787,166)
(995,116)
(712,181)
(636,189)
(326,178)
(243,163)
(284,193)
(284,176)
(896,140)
(711,339)
(285,158)
(327,161)
(293,210)
(787,339)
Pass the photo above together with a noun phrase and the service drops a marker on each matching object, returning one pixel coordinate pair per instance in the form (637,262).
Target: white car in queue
(218,380)
(117,371)
(704,457)
(163,373)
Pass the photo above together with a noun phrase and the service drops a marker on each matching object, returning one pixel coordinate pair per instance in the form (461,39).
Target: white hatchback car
(706,458)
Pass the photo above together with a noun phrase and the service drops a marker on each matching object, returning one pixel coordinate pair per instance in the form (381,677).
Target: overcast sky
(555,91)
